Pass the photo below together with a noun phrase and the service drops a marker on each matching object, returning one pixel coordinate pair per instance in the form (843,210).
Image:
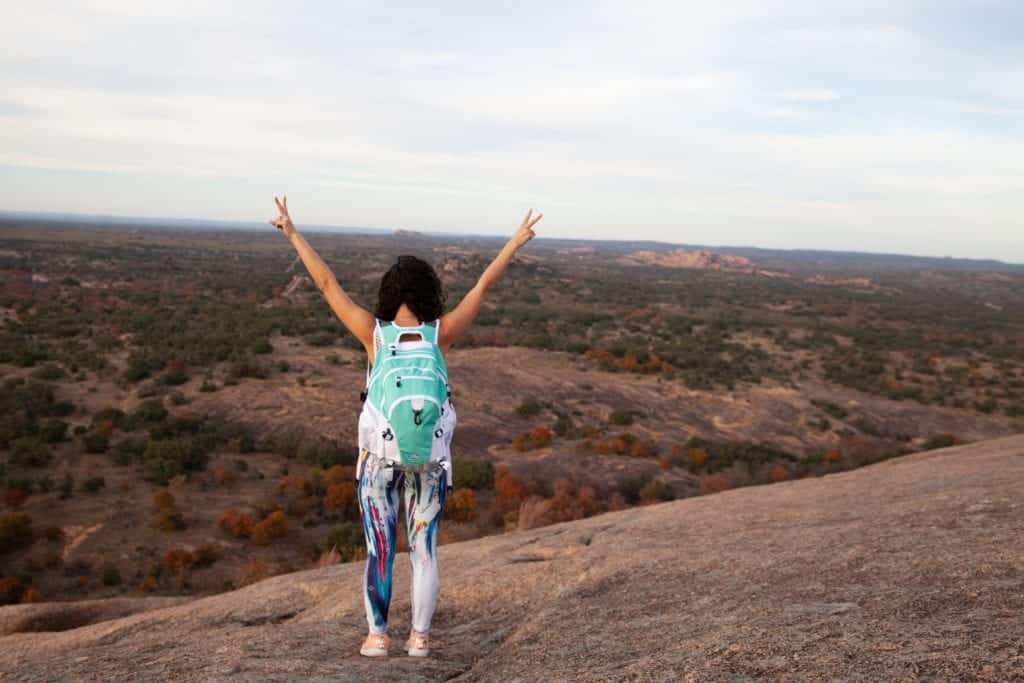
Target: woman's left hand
(525,232)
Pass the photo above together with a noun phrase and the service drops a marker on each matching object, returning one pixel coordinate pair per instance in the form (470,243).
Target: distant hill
(909,569)
(799,259)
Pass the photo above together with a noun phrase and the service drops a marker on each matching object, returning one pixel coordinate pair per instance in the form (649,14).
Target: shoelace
(417,641)
(377,640)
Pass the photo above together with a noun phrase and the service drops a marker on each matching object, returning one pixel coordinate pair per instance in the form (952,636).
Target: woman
(412,301)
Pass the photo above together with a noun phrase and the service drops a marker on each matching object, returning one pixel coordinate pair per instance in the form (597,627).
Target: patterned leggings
(424,494)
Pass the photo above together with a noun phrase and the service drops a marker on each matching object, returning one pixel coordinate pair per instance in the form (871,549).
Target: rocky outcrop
(684,258)
(909,569)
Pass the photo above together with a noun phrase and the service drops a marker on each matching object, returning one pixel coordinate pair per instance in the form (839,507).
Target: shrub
(630,488)
(104,427)
(246,443)
(237,523)
(67,486)
(274,526)
(170,519)
(11,591)
(529,408)
(95,443)
(833,409)
(15,531)
(178,561)
(621,417)
(538,437)
(248,366)
(321,338)
(151,410)
(623,443)
(175,374)
(166,459)
(563,425)
(48,372)
(340,473)
(224,475)
(112,415)
(53,430)
(509,492)
(253,571)
(110,576)
(347,540)
(569,503)
(473,474)
(262,346)
(778,472)
(940,441)
(644,449)
(14,498)
(656,491)
(713,483)
(341,497)
(461,506)
(295,482)
(93,484)
(129,449)
(319,452)
(163,500)
(205,555)
(29,451)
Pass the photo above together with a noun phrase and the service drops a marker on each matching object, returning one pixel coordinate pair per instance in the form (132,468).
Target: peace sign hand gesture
(525,232)
(283,222)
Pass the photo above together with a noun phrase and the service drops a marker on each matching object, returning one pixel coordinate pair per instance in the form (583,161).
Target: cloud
(833,125)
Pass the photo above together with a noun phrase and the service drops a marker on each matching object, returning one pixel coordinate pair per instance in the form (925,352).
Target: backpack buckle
(388,435)
(362,396)
(417,417)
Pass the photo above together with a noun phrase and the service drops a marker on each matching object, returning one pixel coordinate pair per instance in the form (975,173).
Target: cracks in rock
(267,618)
(530,558)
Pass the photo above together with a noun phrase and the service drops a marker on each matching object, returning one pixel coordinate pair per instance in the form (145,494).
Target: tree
(461,506)
(508,491)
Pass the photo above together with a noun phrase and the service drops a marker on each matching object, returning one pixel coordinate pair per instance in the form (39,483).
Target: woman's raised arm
(457,321)
(357,319)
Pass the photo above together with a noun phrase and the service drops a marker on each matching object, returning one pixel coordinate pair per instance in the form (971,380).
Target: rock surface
(61,616)
(909,569)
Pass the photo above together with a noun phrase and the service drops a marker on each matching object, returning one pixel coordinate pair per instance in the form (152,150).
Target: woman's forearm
(318,270)
(497,267)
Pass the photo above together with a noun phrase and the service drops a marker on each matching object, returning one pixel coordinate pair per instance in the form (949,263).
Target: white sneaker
(375,645)
(418,644)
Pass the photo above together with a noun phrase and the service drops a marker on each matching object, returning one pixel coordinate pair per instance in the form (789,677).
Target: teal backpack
(407,393)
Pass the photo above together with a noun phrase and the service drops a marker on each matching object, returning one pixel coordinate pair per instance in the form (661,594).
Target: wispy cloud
(836,124)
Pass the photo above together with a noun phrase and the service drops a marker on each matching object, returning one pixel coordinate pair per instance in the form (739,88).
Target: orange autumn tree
(508,491)
(461,506)
(341,497)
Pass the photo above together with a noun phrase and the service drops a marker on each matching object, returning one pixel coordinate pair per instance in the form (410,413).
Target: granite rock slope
(909,569)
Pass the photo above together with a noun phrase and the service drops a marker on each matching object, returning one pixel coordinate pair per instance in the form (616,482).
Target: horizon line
(322,227)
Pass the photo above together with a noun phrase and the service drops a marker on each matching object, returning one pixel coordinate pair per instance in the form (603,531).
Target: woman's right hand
(525,232)
(283,222)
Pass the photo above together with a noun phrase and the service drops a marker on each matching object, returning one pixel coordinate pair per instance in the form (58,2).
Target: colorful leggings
(424,494)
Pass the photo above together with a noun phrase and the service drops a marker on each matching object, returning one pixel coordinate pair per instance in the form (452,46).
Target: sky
(893,127)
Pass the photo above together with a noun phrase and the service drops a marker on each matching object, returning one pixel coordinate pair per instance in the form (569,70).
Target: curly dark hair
(415,283)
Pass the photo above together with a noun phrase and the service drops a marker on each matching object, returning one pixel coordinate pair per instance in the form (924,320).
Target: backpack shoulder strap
(430,331)
(377,338)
